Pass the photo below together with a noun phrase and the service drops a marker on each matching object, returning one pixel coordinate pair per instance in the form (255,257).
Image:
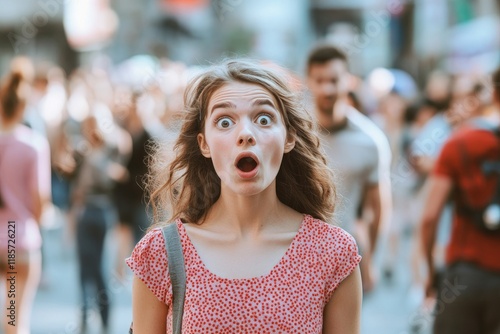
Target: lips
(246,163)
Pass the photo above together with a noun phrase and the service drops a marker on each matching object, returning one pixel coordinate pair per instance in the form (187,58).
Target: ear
(290,141)
(205,150)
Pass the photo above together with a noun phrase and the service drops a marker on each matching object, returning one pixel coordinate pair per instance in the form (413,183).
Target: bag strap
(177,273)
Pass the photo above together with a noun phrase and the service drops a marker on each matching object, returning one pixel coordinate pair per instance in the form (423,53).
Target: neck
(246,215)
(8,126)
(336,118)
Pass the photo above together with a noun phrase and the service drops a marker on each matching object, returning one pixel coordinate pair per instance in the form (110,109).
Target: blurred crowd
(100,123)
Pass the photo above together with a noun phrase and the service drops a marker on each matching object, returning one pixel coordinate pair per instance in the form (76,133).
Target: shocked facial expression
(245,136)
(328,82)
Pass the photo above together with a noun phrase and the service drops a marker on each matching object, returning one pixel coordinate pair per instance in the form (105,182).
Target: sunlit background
(391,45)
(415,36)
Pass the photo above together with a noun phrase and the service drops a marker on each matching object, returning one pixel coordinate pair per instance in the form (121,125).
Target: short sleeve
(448,160)
(344,260)
(149,263)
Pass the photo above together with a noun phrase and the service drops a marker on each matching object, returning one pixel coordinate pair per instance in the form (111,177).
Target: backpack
(487,217)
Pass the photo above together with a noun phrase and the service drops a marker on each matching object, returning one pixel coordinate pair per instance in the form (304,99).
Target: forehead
(331,68)
(240,93)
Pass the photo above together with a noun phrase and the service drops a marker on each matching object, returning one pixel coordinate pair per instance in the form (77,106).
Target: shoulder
(19,142)
(331,238)
(152,242)
(149,263)
(472,139)
(364,124)
(464,135)
(149,253)
(372,134)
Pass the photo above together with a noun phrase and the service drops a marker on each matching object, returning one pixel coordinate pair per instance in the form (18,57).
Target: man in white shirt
(357,150)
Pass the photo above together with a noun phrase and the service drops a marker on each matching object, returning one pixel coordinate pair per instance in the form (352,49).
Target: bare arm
(438,192)
(149,314)
(373,203)
(37,205)
(36,192)
(343,312)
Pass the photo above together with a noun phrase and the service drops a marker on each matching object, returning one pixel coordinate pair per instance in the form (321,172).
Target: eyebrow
(223,105)
(230,105)
(263,102)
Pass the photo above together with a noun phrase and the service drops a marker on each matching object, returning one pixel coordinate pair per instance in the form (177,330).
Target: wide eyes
(264,120)
(224,122)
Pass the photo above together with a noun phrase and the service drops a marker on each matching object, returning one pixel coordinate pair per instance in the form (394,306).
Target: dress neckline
(184,236)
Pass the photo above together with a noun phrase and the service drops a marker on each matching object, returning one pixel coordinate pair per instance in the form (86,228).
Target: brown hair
(12,95)
(323,53)
(496,84)
(188,186)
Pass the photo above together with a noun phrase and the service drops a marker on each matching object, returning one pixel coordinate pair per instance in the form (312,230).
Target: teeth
(246,164)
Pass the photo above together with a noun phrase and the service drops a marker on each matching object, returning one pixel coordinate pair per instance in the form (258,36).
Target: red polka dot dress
(290,299)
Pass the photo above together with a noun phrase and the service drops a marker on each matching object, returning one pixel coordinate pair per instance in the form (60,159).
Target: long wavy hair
(186,185)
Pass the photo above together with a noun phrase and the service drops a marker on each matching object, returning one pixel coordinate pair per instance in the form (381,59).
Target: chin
(249,189)
(327,110)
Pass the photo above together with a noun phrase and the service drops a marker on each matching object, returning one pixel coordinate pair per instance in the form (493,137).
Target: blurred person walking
(394,121)
(129,195)
(356,149)
(468,294)
(96,175)
(44,110)
(248,192)
(459,100)
(24,189)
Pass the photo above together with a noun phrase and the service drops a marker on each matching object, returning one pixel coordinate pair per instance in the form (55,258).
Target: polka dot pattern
(290,299)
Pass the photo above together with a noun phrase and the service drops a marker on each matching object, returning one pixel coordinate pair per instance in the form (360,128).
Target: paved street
(385,311)
(57,305)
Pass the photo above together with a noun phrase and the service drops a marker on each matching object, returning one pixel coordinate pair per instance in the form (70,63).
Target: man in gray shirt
(358,153)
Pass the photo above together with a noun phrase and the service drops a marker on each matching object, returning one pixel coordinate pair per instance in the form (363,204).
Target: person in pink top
(24,188)
(249,190)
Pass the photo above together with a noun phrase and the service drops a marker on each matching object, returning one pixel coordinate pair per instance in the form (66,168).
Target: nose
(328,89)
(246,136)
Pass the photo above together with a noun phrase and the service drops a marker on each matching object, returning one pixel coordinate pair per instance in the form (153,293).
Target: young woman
(249,190)
(24,189)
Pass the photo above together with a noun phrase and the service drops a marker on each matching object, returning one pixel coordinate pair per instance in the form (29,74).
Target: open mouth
(246,164)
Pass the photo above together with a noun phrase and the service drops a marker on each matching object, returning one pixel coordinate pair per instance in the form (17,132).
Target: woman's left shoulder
(328,232)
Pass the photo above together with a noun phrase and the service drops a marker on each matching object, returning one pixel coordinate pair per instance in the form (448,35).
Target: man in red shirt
(468,296)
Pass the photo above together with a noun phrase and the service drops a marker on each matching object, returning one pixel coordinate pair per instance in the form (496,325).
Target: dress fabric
(289,299)
(24,170)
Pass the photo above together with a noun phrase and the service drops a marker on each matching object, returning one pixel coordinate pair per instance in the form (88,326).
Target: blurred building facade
(415,36)
(34,28)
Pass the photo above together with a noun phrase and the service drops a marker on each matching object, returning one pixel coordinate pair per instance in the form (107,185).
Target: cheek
(274,146)
(276,160)
(219,149)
